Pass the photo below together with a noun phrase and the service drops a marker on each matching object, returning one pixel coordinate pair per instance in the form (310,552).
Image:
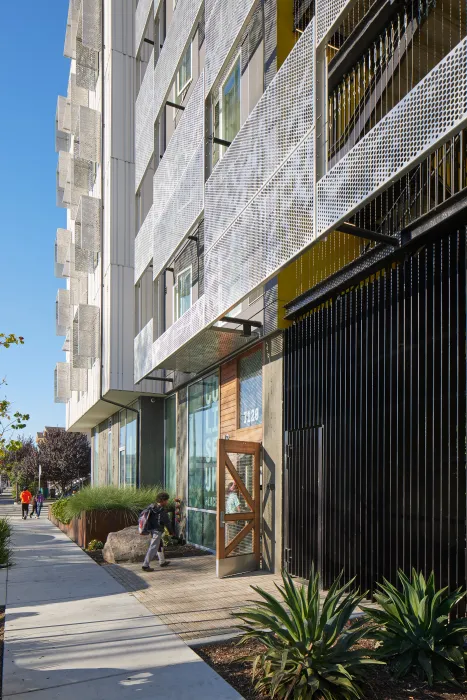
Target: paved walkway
(195,603)
(73,632)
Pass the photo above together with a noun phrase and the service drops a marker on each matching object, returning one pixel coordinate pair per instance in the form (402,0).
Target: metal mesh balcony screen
(436,107)
(82,259)
(62,251)
(141,20)
(144,123)
(87,224)
(179,33)
(78,378)
(63,168)
(144,244)
(62,125)
(67,345)
(224,23)
(89,131)
(62,383)
(328,13)
(87,327)
(78,289)
(143,352)
(280,120)
(181,213)
(91,24)
(86,66)
(62,311)
(77,97)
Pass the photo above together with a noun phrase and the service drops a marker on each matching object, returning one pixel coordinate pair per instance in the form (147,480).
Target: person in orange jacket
(26,498)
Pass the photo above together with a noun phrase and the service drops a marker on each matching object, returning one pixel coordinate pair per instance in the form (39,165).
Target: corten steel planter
(95,525)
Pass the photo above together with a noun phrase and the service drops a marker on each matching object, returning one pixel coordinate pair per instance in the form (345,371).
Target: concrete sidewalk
(73,632)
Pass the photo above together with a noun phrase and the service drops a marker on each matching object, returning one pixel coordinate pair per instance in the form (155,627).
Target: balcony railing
(223,25)
(430,113)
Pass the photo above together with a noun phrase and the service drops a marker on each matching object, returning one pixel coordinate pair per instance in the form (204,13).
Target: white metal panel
(86,66)
(88,330)
(144,124)
(179,34)
(144,245)
(275,127)
(62,251)
(143,352)
(141,20)
(91,34)
(436,107)
(328,14)
(224,24)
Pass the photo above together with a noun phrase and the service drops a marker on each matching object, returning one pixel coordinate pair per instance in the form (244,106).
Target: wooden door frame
(224,447)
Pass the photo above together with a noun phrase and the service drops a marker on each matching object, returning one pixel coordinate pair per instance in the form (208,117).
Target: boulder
(125,545)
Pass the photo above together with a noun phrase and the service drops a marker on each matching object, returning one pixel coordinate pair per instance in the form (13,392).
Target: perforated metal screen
(278,123)
(144,244)
(62,383)
(89,134)
(87,224)
(144,123)
(141,20)
(62,312)
(225,22)
(328,13)
(143,352)
(433,109)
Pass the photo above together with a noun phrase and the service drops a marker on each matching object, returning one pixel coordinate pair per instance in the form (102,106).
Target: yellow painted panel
(315,265)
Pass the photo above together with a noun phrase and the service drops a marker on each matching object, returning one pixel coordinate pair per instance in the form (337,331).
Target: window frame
(233,66)
(180,89)
(176,294)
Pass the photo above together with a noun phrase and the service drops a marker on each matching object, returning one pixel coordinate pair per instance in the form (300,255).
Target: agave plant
(308,647)
(414,629)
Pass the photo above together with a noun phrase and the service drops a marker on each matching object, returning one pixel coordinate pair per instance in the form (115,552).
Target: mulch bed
(225,659)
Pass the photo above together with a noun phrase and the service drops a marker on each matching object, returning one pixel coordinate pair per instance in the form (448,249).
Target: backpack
(143,520)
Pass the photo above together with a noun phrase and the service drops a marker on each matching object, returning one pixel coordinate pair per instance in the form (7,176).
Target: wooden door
(238,507)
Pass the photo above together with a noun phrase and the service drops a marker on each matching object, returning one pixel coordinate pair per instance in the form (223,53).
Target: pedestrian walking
(158,519)
(40,503)
(33,507)
(26,498)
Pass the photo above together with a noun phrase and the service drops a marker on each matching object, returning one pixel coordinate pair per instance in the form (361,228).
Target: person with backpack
(152,521)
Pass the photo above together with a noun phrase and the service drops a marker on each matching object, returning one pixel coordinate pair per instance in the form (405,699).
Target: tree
(10,422)
(64,457)
(21,463)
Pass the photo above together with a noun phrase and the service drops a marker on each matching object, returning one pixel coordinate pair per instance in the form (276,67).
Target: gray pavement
(72,631)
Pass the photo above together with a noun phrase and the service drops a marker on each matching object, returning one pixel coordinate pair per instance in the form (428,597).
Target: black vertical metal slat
(387,381)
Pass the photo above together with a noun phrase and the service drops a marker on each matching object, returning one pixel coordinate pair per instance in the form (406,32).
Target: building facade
(296,202)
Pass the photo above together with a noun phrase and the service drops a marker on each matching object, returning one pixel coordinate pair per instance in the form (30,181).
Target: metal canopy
(207,348)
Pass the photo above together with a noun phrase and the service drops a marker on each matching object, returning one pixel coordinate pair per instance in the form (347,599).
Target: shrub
(414,631)
(92,498)
(94,545)
(308,654)
(5,538)
(58,509)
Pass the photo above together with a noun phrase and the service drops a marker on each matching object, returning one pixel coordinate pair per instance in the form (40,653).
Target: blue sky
(33,71)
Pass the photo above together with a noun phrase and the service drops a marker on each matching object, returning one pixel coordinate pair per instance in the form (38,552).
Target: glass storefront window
(251,389)
(171,446)
(130,449)
(95,457)
(203,431)
(121,448)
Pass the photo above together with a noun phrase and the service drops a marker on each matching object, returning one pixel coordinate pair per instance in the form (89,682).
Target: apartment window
(182,292)
(231,104)
(250,372)
(127,449)
(171,445)
(184,72)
